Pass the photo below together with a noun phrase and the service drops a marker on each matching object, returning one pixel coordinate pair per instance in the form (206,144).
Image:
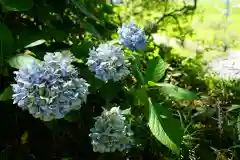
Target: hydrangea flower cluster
(111,132)
(132,36)
(50,89)
(108,62)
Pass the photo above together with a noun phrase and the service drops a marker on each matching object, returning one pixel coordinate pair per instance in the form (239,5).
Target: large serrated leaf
(17,5)
(175,92)
(155,69)
(7,94)
(164,127)
(21,61)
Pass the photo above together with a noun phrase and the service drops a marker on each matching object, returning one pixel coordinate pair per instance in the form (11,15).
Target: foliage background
(211,124)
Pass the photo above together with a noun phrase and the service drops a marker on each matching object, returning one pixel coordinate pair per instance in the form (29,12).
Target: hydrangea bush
(52,88)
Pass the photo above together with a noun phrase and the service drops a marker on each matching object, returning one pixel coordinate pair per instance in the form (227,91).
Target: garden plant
(81,79)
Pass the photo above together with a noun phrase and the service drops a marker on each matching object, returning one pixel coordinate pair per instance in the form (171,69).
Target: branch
(181,11)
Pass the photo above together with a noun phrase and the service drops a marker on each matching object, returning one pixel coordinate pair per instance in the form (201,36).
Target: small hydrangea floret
(111,132)
(108,62)
(131,36)
(50,89)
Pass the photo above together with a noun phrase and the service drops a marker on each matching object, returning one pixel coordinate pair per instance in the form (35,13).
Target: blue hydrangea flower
(111,132)
(132,37)
(50,89)
(108,62)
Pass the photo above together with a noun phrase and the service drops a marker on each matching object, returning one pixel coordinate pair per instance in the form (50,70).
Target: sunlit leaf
(233,108)
(165,127)
(175,91)
(36,43)
(155,69)
(21,60)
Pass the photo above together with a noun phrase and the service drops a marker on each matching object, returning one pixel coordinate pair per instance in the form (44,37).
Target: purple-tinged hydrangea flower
(108,62)
(111,132)
(132,37)
(50,89)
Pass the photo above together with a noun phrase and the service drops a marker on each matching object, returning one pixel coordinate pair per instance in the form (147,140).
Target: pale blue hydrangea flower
(132,36)
(50,89)
(111,132)
(108,62)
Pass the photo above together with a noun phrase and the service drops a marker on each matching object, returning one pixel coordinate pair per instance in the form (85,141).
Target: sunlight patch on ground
(227,67)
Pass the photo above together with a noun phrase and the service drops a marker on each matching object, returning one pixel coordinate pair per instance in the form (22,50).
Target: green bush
(144,103)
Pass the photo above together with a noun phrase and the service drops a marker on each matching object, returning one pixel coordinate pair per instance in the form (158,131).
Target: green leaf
(27,36)
(165,127)
(91,29)
(17,5)
(7,94)
(155,69)
(233,108)
(82,50)
(6,40)
(21,60)
(36,43)
(56,34)
(175,91)
(110,90)
(72,116)
(141,97)
(84,10)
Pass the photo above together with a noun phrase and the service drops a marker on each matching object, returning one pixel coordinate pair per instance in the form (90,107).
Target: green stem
(135,63)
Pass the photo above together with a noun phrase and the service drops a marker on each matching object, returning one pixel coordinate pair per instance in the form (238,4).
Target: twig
(180,11)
